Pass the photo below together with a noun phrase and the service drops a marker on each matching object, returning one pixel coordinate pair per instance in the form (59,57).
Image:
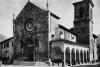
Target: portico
(70,53)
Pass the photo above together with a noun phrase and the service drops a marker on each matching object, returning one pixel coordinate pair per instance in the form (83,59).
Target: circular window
(29,25)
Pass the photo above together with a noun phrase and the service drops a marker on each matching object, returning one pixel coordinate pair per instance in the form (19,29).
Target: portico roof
(70,42)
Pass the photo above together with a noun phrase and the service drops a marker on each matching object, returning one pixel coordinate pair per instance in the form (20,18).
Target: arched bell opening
(82,12)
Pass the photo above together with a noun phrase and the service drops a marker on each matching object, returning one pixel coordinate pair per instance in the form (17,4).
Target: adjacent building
(7,48)
(98,51)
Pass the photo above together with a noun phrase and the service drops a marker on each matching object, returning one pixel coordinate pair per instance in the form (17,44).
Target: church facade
(38,37)
(31,33)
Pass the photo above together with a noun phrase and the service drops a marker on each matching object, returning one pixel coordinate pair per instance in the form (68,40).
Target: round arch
(82,12)
(77,56)
(67,55)
(73,56)
(30,52)
(56,53)
(81,56)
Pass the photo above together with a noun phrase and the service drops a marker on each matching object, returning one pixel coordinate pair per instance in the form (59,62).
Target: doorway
(30,54)
(30,50)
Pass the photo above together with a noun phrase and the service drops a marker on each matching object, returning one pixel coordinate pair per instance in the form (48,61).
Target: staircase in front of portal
(26,63)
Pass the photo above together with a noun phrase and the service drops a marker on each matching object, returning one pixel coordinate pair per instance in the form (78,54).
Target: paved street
(88,65)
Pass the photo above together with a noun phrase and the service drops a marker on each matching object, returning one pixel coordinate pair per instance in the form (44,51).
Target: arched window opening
(56,53)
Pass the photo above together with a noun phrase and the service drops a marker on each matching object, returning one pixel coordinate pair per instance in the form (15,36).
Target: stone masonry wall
(39,19)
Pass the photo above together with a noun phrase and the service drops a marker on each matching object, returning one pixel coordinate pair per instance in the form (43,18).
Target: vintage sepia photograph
(51,33)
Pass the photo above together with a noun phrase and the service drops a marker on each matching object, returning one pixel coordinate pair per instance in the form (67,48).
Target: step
(24,63)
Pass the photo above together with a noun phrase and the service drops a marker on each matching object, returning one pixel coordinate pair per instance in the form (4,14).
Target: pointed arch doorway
(30,50)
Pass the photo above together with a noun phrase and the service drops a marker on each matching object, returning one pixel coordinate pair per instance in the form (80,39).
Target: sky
(62,8)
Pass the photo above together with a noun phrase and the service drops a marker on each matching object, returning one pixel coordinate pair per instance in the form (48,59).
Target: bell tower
(83,22)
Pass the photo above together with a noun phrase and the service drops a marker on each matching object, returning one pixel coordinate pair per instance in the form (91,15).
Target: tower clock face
(29,25)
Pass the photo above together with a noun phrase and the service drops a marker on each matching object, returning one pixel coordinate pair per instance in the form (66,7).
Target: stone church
(38,37)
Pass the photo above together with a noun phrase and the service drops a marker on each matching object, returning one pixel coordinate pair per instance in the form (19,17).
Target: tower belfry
(83,23)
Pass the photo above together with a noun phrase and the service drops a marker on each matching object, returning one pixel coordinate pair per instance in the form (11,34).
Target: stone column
(86,57)
(83,57)
(75,57)
(70,59)
(79,58)
(64,59)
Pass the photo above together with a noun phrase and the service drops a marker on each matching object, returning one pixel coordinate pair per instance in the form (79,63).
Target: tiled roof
(80,2)
(6,40)
(72,43)
(66,29)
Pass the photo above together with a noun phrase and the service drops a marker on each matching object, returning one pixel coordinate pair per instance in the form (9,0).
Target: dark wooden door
(30,54)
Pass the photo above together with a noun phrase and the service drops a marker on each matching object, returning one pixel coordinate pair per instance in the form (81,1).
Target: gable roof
(60,26)
(6,40)
(52,14)
(36,5)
